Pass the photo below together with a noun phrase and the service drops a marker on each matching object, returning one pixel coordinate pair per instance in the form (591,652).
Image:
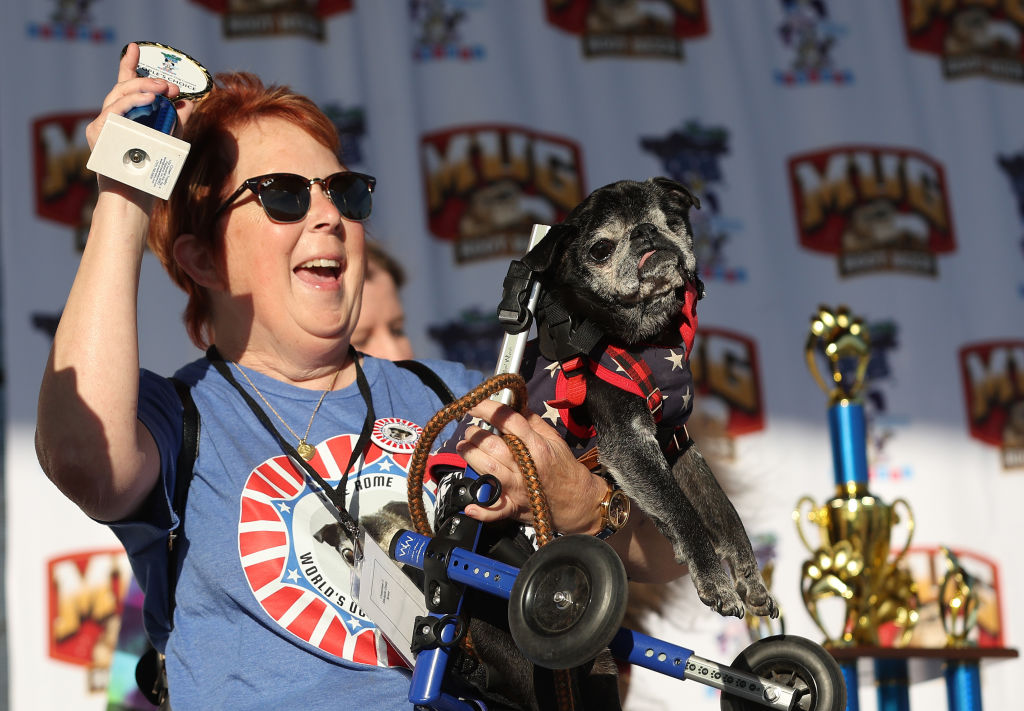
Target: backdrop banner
(868,155)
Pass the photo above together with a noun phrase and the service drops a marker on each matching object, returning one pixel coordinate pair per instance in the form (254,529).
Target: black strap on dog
(560,336)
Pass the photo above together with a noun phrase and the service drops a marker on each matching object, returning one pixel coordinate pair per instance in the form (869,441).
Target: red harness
(571,385)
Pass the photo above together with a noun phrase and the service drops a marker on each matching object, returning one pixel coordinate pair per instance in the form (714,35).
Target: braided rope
(539,507)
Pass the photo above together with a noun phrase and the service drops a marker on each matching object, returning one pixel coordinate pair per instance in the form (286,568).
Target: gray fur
(592,264)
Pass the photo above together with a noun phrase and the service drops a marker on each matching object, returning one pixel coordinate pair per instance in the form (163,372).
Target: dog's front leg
(728,534)
(630,452)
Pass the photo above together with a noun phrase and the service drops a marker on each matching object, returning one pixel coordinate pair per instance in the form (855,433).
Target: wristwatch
(614,510)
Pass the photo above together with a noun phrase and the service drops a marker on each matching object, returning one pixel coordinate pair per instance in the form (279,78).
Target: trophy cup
(138,149)
(958,605)
(852,565)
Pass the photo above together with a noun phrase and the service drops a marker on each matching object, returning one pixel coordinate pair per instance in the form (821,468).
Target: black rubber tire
(564,636)
(797,663)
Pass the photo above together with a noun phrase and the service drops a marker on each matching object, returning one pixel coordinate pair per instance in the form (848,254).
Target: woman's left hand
(573,491)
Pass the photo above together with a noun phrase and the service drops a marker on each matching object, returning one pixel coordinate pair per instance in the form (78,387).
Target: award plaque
(138,149)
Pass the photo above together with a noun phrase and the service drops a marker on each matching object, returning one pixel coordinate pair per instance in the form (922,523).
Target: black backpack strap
(150,675)
(431,379)
(182,480)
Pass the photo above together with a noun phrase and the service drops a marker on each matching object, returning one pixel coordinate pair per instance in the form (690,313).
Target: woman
(264,233)
(381,328)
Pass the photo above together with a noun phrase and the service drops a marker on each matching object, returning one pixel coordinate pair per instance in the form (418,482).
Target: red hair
(236,100)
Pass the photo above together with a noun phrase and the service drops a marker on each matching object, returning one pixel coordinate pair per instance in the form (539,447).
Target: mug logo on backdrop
(65,190)
(289,543)
(692,155)
(487,185)
(255,18)
(727,379)
(70,20)
(876,208)
(970,38)
(993,377)
(86,594)
(630,28)
(1013,166)
(438,35)
(810,38)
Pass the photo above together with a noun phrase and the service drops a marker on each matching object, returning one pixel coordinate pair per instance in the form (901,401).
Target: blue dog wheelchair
(566,602)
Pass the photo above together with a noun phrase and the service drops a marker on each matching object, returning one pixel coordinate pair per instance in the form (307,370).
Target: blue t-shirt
(264,615)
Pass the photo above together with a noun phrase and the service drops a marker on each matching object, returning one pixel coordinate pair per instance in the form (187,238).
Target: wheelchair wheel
(567,602)
(797,663)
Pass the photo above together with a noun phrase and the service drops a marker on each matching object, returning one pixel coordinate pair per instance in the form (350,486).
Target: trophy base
(141,157)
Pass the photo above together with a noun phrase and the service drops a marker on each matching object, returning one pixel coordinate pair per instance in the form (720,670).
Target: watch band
(614,507)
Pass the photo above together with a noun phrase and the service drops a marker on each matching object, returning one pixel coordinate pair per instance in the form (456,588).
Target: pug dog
(619,283)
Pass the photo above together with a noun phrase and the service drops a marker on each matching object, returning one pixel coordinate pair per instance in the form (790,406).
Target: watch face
(618,510)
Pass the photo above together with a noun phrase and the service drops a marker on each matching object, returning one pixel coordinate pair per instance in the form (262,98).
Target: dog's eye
(601,250)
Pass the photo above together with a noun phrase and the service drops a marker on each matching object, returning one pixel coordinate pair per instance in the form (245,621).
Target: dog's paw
(720,596)
(757,598)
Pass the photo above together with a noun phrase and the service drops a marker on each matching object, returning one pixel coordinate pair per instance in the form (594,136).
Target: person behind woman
(380,329)
(264,233)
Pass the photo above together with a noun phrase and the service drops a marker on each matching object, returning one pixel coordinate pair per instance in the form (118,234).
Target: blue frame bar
(963,685)
(893,683)
(848,430)
(850,679)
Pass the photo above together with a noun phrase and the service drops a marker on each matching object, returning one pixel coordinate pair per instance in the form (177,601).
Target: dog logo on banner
(295,558)
(692,155)
(876,208)
(487,185)
(810,36)
(727,379)
(257,18)
(69,21)
(630,28)
(993,376)
(972,39)
(882,424)
(437,30)
(86,596)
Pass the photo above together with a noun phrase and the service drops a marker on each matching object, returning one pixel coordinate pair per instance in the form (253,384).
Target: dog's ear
(677,187)
(541,257)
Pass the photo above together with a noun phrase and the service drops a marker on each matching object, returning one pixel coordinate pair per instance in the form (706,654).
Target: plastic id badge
(388,596)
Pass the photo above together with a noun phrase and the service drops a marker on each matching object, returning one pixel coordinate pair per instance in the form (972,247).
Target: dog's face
(623,257)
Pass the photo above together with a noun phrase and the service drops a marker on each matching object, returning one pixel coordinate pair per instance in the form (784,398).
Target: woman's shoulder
(456,376)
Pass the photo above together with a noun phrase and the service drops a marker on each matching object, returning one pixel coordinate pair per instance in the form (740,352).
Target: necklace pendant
(305,450)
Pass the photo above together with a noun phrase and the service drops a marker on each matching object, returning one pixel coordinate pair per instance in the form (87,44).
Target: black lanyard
(333,498)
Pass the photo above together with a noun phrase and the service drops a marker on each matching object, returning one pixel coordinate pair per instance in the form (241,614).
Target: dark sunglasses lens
(351,195)
(285,198)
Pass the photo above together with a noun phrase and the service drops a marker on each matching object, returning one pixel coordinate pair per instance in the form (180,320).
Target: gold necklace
(305,450)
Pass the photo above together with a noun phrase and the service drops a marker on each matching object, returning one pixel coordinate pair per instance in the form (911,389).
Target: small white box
(139,156)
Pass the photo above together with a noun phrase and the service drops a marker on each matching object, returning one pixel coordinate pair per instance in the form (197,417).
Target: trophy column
(852,564)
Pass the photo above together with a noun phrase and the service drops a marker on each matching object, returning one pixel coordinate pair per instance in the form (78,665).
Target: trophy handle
(910,527)
(798,518)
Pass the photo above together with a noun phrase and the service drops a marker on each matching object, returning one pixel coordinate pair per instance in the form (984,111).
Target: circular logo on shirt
(294,552)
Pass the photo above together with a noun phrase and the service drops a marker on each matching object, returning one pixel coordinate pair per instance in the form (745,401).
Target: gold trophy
(852,565)
(958,602)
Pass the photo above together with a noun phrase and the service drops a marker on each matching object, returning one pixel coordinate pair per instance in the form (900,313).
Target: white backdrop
(845,153)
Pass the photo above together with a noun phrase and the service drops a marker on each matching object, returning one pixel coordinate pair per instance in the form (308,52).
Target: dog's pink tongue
(644,259)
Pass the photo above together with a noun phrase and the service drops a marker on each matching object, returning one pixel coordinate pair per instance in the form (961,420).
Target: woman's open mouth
(319,271)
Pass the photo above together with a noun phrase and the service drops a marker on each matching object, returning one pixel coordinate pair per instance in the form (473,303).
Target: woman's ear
(197,259)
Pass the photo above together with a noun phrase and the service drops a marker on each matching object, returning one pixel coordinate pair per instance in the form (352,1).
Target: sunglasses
(285,196)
